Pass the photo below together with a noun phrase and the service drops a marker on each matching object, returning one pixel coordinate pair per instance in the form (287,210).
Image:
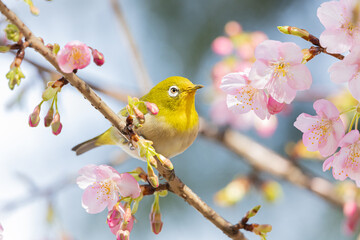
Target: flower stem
(357,121)
(352,122)
(348,110)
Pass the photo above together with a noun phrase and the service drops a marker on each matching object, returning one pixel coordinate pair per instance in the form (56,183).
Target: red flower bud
(98,57)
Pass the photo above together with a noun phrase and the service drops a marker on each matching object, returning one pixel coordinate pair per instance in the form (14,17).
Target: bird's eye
(173,91)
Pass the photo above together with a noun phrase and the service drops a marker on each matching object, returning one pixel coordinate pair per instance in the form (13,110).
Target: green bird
(172,130)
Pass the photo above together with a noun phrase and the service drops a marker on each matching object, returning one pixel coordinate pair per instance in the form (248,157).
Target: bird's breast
(168,140)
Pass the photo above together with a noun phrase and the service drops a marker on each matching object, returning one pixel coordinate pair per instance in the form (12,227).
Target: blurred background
(38,196)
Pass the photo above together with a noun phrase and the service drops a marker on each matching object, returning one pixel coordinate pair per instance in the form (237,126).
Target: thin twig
(143,78)
(176,185)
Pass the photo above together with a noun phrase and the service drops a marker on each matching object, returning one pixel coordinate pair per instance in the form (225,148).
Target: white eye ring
(173,91)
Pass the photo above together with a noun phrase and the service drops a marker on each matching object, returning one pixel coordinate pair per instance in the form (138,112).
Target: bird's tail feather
(103,139)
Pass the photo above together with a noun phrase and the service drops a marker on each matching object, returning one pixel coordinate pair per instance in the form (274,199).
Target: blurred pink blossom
(352,216)
(278,69)
(102,185)
(257,38)
(340,33)
(324,131)
(222,46)
(348,70)
(346,162)
(222,116)
(266,128)
(74,55)
(242,97)
(246,51)
(233,28)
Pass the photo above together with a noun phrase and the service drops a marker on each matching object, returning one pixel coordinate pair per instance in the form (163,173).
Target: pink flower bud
(139,115)
(123,235)
(98,57)
(49,117)
(152,108)
(155,220)
(274,106)
(56,125)
(114,217)
(34,118)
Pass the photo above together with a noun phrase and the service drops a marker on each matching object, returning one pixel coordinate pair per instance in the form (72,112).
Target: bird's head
(173,94)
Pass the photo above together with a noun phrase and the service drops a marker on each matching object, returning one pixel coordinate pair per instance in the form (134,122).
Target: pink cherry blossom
(74,55)
(278,69)
(242,97)
(346,162)
(324,131)
(340,33)
(222,46)
(348,70)
(102,185)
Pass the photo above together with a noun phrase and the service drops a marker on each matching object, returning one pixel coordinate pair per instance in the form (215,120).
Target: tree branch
(176,185)
(263,159)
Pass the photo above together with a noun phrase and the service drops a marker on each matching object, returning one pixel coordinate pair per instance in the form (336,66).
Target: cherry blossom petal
(311,140)
(330,14)
(335,40)
(350,138)
(342,71)
(128,186)
(339,164)
(235,106)
(280,90)
(328,144)
(305,122)
(232,82)
(326,109)
(87,177)
(328,163)
(267,50)
(259,105)
(291,52)
(301,78)
(259,75)
(94,204)
(354,86)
